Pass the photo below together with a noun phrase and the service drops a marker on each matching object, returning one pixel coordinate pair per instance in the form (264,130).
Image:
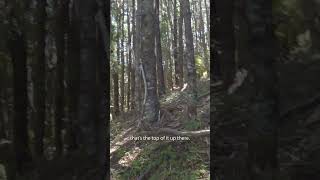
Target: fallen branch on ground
(205,132)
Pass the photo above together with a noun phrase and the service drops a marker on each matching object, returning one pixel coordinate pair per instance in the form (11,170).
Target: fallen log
(205,132)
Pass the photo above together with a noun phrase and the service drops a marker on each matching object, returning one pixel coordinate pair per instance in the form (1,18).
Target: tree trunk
(191,69)
(179,70)
(40,78)
(175,45)
(203,37)
(170,46)
(88,68)
(151,106)
(62,15)
(133,66)
(161,83)
(73,78)
(138,76)
(129,58)
(224,46)
(122,106)
(18,52)
(103,76)
(263,128)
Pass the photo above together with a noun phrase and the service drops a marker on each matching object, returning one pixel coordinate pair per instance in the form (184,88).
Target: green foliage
(200,66)
(171,162)
(192,124)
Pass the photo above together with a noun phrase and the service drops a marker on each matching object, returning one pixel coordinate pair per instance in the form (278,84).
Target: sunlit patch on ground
(129,157)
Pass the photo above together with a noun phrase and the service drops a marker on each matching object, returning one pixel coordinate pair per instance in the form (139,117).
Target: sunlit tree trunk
(160,75)
(180,71)
(191,69)
(151,106)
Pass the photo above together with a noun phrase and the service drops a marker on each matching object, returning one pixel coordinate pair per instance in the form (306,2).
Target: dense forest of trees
(160,83)
(54,84)
(80,79)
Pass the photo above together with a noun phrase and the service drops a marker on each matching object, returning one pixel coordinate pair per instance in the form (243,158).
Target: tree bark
(160,75)
(133,66)
(263,126)
(179,70)
(122,101)
(62,15)
(191,69)
(18,52)
(203,37)
(129,58)
(151,106)
(73,78)
(138,76)
(40,78)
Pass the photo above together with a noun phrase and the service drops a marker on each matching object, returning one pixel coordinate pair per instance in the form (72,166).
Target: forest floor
(163,159)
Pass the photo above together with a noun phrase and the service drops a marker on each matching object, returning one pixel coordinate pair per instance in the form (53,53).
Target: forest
(159,89)
(54,89)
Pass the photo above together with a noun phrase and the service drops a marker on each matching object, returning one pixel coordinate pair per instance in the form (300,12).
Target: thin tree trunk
(191,69)
(138,76)
(263,126)
(133,66)
(181,47)
(18,52)
(161,83)
(175,45)
(62,14)
(73,78)
(203,37)
(122,101)
(151,106)
(129,58)
(170,46)
(40,78)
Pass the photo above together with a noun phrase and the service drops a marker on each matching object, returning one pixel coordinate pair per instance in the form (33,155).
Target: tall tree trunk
(62,15)
(203,37)
(191,69)
(263,128)
(151,106)
(194,19)
(115,72)
(40,78)
(138,76)
(175,45)
(179,70)
(122,106)
(224,46)
(73,78)
(207,19)
(133,66)
(88,68)
(161,83)
(170,46)
(102,125)
(3,100)
(129,58)
(18,52)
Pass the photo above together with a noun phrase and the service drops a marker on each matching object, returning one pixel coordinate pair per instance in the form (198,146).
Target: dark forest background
(77,76)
